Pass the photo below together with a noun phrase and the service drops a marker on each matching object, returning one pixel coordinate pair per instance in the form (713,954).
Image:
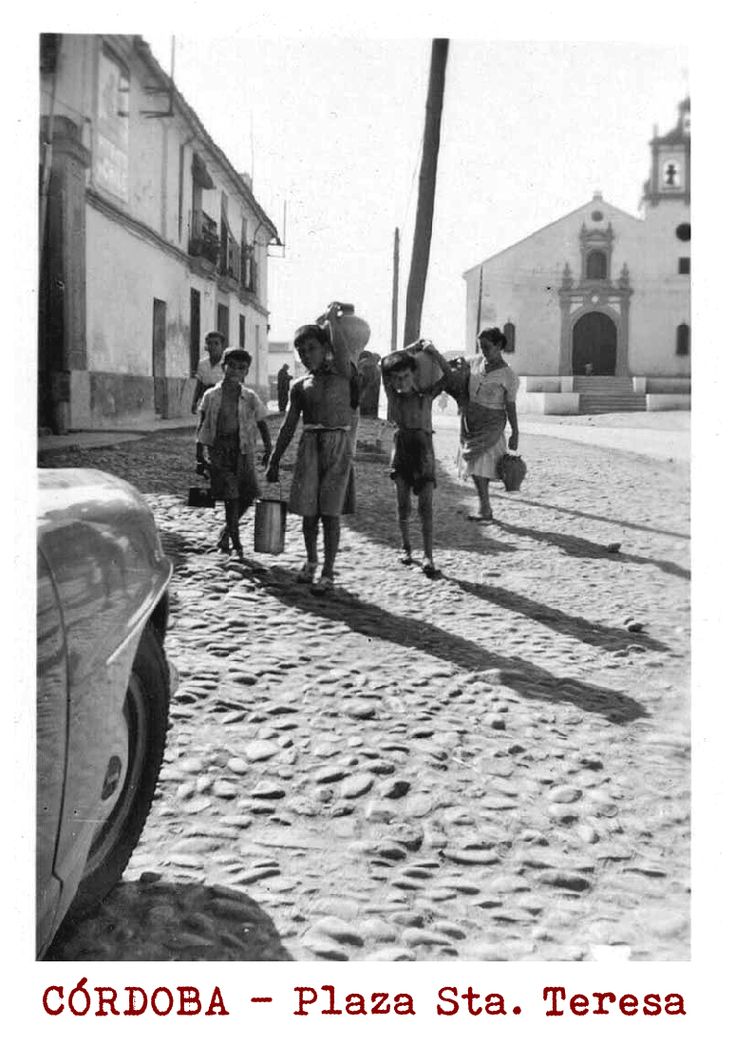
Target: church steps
(609,403)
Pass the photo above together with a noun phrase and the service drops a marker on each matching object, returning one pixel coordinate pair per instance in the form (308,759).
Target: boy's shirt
(209,374)
(250,410)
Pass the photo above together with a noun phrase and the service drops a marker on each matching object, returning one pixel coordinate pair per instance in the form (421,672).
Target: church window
(596,267)
(682,339)
(671,175)
(510,334)
(597,215)
(684,232)
(684,266)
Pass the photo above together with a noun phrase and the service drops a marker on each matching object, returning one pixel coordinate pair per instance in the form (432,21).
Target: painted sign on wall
(111,153)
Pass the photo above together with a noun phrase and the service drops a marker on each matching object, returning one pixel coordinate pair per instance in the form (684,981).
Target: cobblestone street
(490,765)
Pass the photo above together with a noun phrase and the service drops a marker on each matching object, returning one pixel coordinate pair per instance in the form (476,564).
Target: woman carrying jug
(485,390)
(323,481)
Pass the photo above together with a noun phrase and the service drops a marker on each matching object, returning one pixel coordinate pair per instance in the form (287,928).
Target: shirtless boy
(323,481)
(412,462)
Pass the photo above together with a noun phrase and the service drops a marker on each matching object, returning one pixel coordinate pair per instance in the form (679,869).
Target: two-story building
(599,300)
(149,238)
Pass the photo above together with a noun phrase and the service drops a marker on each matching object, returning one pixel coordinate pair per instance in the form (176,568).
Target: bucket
(269,533)
(200,498)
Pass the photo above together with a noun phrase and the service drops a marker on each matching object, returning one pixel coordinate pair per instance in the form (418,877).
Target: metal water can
(269,533)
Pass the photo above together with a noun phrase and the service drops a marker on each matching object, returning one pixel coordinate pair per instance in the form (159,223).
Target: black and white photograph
(361,484)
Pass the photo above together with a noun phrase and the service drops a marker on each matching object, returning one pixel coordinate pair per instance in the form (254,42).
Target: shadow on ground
(581,548)
(577,627)
(171,921)
(529,680)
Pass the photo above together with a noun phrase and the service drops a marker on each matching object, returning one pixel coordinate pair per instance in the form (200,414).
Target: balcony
(203,237)
(248,269)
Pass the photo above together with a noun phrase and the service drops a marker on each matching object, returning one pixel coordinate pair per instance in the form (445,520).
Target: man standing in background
(283,384)
(209,371)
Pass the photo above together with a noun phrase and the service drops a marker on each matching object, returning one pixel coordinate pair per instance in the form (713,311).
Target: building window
(596,266)
(510,335)
(195,333)
(223,322)
(684,232)
(685,266)
(682,339)
(242,331)
(597,215)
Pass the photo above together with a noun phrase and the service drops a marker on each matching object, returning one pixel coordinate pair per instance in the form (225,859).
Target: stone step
(611,404)
(603,384)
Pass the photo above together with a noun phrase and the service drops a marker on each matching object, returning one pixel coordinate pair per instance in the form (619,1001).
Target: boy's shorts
(323,475)
(233,475)
(413,458)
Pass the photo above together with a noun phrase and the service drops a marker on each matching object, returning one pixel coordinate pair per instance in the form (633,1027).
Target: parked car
(103,686)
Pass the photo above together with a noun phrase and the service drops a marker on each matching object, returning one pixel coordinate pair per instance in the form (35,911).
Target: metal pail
(269,534)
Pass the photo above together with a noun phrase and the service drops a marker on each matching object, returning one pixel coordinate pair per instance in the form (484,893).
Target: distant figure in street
(369,378)
(323,478)
(228,418)
(283,383)
(209,371)
(443,400)
(412,461)
(485,390)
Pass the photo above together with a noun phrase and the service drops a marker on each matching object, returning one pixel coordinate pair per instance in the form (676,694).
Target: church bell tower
(670,177)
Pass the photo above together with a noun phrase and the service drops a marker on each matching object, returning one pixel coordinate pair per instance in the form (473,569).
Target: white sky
(529,132)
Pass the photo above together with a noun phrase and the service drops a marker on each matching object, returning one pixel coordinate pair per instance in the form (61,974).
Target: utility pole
(427,186)
(478,323)
(394,312)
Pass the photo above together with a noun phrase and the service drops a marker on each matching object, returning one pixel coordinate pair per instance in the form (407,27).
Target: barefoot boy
(412,463)
(323,483)
(228,418)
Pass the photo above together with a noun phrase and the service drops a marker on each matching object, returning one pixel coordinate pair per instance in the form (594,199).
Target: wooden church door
(594,344)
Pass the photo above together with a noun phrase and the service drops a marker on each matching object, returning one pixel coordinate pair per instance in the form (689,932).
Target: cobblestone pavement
(491,765)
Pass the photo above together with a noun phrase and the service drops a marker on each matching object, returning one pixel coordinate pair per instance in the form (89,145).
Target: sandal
(237,550)
(323,585)
(223,544)
(306,573)
(429,568)
(406,559)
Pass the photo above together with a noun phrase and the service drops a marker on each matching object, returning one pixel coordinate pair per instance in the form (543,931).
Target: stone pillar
(565,337)
(62,318)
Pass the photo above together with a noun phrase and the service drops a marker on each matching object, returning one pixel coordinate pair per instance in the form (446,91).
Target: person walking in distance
(283,383)
(209,371)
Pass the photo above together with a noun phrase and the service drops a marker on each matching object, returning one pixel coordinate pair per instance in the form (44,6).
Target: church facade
(599,293)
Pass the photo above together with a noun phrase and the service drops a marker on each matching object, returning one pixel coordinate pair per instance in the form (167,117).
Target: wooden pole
(394,312)
(427,186)
(479,310)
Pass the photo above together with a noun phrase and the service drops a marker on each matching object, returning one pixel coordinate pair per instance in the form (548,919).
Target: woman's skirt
(323,477)
(482,442)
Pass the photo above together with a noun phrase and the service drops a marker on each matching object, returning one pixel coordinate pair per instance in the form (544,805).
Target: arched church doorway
(594,344)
